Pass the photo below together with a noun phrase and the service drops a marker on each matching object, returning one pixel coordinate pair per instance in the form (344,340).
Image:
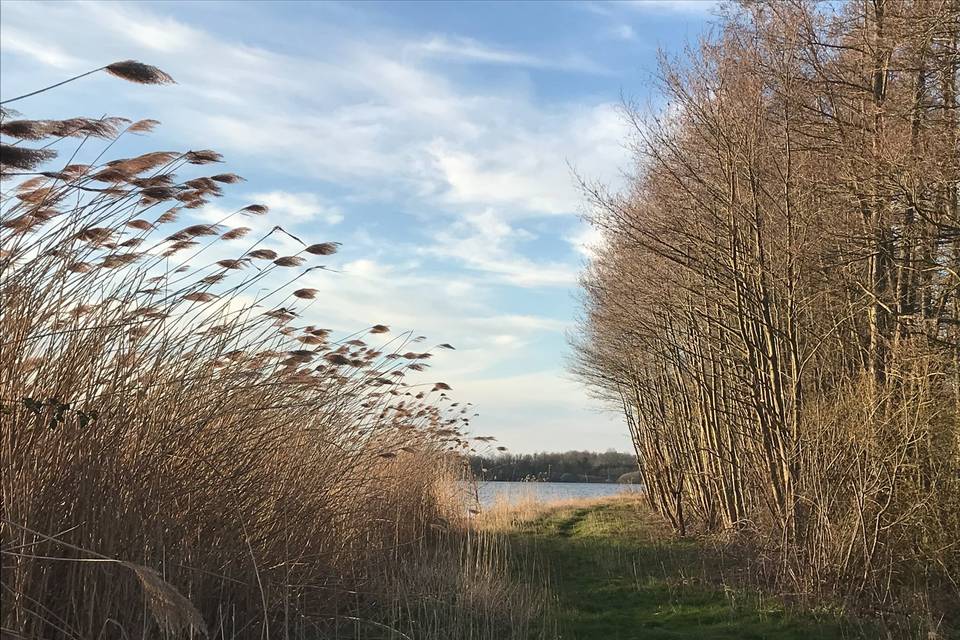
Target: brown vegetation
(182,454)
(776,306)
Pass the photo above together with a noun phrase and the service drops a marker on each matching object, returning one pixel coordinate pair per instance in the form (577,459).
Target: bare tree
(776,308)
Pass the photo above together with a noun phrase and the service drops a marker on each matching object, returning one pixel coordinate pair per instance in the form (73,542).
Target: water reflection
(489,493)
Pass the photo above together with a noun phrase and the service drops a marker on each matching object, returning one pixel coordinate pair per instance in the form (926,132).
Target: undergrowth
(617,571)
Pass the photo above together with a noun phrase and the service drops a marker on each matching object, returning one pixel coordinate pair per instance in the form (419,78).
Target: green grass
(616,574)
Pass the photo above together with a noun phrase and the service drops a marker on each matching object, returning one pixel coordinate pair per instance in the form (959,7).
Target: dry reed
(181,452)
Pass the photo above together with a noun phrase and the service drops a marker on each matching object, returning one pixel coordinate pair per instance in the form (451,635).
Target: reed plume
(258,477)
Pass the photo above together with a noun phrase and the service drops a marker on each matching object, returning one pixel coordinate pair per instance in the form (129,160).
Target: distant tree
(567,466)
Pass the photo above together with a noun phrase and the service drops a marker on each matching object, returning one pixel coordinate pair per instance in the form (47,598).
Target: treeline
(776,309)
(567,466)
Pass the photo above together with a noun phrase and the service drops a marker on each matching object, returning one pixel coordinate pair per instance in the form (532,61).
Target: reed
(183,453)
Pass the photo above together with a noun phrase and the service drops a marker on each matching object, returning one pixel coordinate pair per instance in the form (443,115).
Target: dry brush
(183,453)
(776,308)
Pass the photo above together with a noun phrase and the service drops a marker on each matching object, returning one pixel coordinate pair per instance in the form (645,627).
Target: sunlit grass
(617,572)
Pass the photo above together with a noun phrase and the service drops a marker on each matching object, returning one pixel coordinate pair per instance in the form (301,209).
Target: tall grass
(183,453)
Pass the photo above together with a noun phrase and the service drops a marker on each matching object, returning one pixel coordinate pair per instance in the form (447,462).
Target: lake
(513,492)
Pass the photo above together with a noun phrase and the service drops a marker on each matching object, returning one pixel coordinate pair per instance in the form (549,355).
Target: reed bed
(510,515)
(184,454)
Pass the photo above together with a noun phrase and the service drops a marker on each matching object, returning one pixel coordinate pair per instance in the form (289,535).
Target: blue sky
(435,141)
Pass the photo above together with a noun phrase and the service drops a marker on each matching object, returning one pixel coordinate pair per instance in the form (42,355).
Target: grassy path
(616,575)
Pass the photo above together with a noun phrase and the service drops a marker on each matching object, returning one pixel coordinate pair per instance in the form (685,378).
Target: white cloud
(468,49)
(526,170)
(472,179)
(298,207)
(679,6)
(366,268)
(586,240)
(164,35)
(369,291)
(623,32)
(15,41)
(543,411)
(485,242)
(352,114)
(521,323)
(459,288)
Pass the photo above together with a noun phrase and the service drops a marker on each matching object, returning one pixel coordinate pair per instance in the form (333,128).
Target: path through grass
(616,574)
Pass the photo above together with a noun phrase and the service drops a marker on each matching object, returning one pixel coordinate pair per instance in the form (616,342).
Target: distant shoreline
(546,481)
(607,467)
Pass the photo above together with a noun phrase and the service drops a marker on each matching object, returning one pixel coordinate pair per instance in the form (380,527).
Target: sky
(438,142)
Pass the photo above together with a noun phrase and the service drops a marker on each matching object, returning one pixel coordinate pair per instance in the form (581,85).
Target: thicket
(775,307)
(567,466)
(183,452)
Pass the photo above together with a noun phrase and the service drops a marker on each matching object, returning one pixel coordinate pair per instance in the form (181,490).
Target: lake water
(513,492)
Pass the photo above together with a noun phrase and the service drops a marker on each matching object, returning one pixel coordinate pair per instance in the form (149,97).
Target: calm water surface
(512,492)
